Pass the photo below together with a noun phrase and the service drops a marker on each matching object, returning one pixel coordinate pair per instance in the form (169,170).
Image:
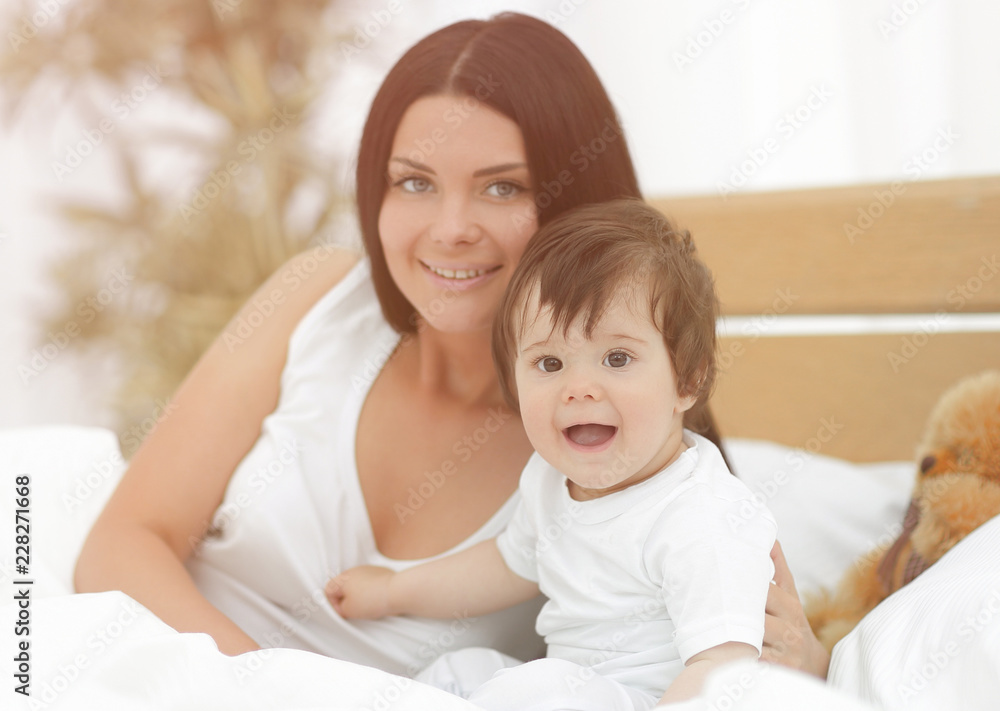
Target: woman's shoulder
(292,291)
(263,326)
(334,295)
(309,275)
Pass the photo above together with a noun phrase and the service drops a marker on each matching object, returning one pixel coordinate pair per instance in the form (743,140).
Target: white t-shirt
(293,514)
(641,580)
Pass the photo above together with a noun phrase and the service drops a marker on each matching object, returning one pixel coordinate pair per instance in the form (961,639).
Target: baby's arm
(472,582)
(688,683)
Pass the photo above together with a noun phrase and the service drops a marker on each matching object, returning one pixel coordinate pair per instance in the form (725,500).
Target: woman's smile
(459,278)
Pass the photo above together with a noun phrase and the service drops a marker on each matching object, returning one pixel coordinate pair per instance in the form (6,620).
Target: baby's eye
(617,359)
(413,184)
(504,189)
(549,364)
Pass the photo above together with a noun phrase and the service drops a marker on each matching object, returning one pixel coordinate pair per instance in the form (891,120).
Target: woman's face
(458,212)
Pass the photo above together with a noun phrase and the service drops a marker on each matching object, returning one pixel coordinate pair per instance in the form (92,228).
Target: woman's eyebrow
(493,169)
(413,164)
(503,167)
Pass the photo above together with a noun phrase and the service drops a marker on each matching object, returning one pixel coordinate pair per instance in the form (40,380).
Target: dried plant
(254,69)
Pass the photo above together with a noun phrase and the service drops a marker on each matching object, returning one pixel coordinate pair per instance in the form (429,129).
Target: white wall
(708,92)
(701,84)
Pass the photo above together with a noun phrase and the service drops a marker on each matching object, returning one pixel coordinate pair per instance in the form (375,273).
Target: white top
(643,579)
(293,514)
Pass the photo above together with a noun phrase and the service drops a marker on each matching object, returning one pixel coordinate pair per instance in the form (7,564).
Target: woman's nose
(456,222)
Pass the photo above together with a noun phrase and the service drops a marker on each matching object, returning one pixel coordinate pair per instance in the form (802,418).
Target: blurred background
(159,159)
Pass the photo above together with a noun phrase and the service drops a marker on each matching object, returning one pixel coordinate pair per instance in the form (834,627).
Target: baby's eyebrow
(626,337)
(534,346)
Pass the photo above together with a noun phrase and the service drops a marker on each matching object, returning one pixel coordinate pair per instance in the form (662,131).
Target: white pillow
(935,643)
(829,511)
(72,471)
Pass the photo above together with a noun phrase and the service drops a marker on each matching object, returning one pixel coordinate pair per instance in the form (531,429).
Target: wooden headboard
(927,250)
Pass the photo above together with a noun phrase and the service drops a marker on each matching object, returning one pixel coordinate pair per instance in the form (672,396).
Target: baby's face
(602,410)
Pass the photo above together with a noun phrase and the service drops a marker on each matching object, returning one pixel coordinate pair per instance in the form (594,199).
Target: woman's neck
(457,365)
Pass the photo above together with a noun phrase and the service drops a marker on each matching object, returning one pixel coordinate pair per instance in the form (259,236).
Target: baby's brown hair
(580,262)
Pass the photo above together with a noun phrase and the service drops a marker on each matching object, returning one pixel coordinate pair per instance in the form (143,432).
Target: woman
(362,421)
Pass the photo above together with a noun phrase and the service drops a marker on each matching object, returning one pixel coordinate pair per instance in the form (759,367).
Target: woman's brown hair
(531,73)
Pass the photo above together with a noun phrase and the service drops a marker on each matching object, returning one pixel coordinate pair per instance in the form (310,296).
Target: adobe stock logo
(249,148)
(365,33)
(88,310)
(30,25)
(122,107)
(699,42)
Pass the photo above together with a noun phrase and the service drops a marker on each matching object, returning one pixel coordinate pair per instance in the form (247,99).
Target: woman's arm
(788,639)
(473,582)
(166,500)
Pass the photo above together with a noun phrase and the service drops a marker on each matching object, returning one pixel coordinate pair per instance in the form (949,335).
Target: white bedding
(106,651)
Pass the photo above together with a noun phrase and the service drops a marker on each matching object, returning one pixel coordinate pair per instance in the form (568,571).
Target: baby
(655,568)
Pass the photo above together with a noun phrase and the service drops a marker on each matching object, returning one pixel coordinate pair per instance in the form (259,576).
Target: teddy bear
(957,489)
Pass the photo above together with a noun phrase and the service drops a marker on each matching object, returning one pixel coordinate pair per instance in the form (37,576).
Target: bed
(821,410)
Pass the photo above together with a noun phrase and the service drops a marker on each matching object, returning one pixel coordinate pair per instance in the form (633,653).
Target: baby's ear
(685,403)
(689,392)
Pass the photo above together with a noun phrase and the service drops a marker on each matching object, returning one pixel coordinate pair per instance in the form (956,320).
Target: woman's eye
(413,184)
(549,364)
(504,189)
(618,359)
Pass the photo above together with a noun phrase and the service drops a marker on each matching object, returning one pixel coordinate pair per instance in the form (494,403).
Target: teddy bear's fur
(957,489)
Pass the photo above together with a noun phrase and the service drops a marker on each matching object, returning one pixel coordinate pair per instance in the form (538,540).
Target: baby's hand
(361,593)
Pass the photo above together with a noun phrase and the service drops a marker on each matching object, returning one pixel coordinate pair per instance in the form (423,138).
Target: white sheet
(935,643)
(105,651)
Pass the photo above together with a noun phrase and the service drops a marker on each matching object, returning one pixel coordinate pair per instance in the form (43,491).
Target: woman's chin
(457,324)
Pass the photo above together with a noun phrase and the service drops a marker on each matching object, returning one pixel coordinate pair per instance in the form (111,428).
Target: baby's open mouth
(590,434)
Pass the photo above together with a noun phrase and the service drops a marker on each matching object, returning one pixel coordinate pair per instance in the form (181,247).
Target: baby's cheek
(537,424)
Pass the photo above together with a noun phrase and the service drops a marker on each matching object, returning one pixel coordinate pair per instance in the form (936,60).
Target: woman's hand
(361,592)
(788,639)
